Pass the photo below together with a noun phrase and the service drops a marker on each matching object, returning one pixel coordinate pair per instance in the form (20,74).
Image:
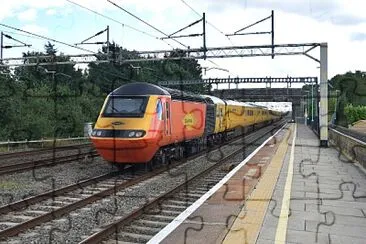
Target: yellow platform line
(283,220)
(248,223)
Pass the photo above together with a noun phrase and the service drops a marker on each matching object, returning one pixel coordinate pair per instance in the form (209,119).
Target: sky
(340,23)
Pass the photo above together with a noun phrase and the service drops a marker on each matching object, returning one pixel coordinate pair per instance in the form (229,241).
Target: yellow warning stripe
(283,220)
(248,223)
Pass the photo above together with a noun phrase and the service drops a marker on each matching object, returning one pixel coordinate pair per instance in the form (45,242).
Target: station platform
(289,190)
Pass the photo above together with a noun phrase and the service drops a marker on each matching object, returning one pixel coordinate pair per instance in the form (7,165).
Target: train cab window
(159,110)
(125,106)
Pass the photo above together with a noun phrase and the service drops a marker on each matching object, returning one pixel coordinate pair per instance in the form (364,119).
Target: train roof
(233,102)
(139,88)
(215,100)
(143,88)
(237,103)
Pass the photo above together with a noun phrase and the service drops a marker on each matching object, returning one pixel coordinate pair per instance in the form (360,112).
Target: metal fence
(10,145)
(355,134)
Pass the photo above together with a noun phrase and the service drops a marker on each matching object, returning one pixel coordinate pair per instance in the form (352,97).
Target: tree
(352,87)
(50,49)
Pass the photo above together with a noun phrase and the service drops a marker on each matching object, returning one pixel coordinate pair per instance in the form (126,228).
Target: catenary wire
(143,21)
(212,25)
(119,22)
(47,38)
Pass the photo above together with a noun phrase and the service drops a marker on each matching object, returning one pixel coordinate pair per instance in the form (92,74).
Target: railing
(314,125)
(358,135)
(352,148)
(9,145)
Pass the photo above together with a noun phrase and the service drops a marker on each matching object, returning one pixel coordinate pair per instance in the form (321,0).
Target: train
(143,123)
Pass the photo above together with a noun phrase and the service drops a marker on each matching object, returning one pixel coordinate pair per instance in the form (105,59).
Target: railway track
(145,222)
(23,215)
(19,167)
(37,152)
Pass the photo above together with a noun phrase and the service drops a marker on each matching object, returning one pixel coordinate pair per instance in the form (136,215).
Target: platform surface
(321,199)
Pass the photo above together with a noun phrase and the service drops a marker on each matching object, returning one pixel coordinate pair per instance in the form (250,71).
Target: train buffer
(288,191)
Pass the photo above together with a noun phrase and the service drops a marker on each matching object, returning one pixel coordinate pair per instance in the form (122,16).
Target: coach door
(167,121)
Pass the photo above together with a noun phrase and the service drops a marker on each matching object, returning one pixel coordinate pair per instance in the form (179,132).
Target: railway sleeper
(173,207)
(18,218)
(149,223)
(151,231)
(159,218)
(35,213)
(165,212)
(132,237)
(48,208)
(178,202)
(7,224)
(185,199)
(66,199)
(198,192)
(190,195)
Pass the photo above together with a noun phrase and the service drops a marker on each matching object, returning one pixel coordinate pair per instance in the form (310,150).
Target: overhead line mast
(143,21)
(47,38)
(116,21)
(2,46)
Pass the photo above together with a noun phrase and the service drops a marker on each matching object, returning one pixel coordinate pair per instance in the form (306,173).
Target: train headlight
(131,134)
(139,134)
(99,133)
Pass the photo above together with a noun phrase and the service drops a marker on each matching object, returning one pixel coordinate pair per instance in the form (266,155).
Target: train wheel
(164,159)
(181,152)
(120,167)
(149,166)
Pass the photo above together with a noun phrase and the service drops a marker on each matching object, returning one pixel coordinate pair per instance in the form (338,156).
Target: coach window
(159,110)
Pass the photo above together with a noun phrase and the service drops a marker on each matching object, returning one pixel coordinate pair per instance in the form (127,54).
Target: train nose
(137,150)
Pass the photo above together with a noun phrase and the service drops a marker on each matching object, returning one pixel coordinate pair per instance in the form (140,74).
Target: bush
(354,113)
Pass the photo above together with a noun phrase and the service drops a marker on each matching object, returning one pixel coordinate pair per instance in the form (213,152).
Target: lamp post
(306,107)
(210,68)
(217,68)
(335,106)
(312,103)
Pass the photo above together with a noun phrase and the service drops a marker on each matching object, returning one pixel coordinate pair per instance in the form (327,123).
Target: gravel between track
(79,224)
(35,156)
(17,186)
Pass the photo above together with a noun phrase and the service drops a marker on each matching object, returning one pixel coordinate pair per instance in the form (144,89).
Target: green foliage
(56,100)
(351,90)
(355,113)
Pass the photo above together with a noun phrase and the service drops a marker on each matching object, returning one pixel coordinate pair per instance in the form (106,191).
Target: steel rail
(114,227)
(21,227)
(19,205)
(19,167)
(14,230)
(43,150)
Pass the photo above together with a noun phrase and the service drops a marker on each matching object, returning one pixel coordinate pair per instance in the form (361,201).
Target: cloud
(27,15)
(35,29)
(358,36)
(344,19)
(337,12)
(11,8)
(51,12)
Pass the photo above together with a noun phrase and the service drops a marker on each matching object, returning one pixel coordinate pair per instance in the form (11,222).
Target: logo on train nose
(189,121)
(117,123)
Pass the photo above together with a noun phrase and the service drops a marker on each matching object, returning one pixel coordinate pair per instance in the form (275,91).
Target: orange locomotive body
(140,122)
